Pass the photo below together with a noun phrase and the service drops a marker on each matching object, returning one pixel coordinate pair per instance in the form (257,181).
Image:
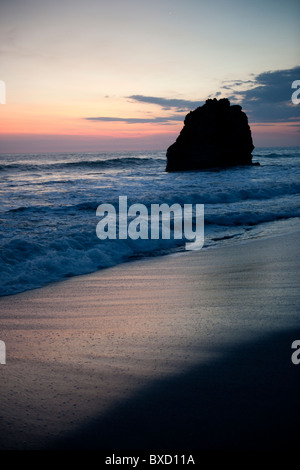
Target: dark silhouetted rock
(214,135)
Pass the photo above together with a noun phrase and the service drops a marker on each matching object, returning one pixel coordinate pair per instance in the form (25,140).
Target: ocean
(48,208)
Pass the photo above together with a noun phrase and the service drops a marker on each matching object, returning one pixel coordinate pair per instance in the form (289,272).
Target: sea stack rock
(216,134)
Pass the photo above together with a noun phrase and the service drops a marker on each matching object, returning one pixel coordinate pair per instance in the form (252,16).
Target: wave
(110,163)
(47,256)
(275,155)
(224,197)
(31,264)
(49,231)
(115,162)
(274,152)
(106,161)
(250,219)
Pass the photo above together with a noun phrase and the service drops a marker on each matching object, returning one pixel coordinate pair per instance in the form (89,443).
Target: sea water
(48,206)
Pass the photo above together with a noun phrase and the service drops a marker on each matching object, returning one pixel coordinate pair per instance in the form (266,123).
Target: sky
(115,75)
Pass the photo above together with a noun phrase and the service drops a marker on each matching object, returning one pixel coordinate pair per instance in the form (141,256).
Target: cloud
(156,120)
(179,106)
(267,98)
(166,103)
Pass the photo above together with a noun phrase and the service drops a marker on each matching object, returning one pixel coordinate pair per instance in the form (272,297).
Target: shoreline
(230,241)
(82,350)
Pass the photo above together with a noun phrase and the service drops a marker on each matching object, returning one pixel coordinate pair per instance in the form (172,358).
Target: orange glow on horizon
(36,123)
(277,134)
(41,125)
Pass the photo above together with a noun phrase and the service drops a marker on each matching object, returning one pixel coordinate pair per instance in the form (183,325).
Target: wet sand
(189,351)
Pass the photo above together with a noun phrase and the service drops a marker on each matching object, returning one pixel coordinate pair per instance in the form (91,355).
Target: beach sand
(186,351)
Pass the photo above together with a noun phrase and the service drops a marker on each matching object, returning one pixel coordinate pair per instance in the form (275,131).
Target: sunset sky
(118,75)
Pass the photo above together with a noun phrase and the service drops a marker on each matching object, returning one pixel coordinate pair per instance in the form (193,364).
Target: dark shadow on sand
(248,399)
